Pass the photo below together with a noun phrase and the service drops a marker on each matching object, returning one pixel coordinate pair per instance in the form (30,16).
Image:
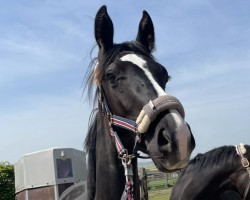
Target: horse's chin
(167,167)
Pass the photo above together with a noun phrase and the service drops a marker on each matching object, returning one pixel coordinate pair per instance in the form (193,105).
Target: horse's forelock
(97,66)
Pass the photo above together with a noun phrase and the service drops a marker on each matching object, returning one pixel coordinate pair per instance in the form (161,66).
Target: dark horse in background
(220,174)
(134,113)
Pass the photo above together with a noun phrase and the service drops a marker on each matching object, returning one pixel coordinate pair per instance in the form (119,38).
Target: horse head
(129,78)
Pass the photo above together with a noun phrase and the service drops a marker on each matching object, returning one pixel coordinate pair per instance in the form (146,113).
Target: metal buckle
(126,162)
(245,162)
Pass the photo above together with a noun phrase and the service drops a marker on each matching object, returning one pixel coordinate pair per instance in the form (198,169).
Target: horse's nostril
(162,140)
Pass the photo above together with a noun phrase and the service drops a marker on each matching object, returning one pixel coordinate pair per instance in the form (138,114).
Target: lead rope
(126,162)
(241,150)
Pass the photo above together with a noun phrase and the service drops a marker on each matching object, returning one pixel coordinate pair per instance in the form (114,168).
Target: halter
(131,126)
(241,150)
(148,114)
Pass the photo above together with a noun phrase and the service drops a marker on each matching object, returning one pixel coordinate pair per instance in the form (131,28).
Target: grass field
(160,195)
(159,189)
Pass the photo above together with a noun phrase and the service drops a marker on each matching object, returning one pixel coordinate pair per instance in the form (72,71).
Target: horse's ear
(146,35)
(104,30)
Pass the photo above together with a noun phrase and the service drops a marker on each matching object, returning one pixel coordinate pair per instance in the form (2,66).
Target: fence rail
(155,183)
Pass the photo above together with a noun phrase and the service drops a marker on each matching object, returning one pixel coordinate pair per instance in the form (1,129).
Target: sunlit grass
(160,195)
(156,187)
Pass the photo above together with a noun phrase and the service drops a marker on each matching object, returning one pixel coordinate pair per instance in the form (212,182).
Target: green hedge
(7,181)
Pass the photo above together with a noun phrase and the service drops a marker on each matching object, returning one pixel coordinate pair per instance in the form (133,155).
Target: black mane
(90,148)
(217,166)
(223,156)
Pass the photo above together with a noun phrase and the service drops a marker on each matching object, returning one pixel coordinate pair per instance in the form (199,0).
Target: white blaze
(138,61)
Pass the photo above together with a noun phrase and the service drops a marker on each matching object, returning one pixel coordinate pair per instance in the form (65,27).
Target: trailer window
(64,168)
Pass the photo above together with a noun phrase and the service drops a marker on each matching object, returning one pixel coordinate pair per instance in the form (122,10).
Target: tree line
(7,181)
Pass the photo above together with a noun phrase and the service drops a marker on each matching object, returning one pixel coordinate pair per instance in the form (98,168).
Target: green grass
(164,182)
(160,194)
(150,168)
(157,187)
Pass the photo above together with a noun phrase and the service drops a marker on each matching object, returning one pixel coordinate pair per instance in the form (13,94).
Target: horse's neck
(241,180)
(235,178)
(215,180)
(110,178)
(226,178)
(221,178)
(136,179)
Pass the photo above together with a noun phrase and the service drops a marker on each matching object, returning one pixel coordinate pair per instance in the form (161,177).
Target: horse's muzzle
(172,143)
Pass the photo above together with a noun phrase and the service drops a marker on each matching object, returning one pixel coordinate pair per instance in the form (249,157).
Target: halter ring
(245,162)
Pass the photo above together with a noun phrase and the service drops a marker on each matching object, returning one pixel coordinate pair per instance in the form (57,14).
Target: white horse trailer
(45,175)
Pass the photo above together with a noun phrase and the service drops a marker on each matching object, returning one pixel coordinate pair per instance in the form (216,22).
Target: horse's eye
(111,78)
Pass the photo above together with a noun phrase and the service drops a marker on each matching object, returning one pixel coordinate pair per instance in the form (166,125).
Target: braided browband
(151,110)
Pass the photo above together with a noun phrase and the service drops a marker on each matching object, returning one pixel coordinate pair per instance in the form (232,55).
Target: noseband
(147,115)
(151,110)
(241,150)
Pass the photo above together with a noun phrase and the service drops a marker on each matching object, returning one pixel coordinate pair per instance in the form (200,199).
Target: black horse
(134,113)
(222,173)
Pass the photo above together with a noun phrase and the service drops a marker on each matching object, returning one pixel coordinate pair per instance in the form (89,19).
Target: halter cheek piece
(241,150)
(147,115)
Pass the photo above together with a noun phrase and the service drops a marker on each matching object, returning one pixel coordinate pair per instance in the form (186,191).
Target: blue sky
(45,49)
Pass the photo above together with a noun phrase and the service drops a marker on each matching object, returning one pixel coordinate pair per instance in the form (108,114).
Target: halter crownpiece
(241,150)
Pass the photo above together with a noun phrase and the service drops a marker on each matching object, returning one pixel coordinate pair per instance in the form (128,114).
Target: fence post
(143,184)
